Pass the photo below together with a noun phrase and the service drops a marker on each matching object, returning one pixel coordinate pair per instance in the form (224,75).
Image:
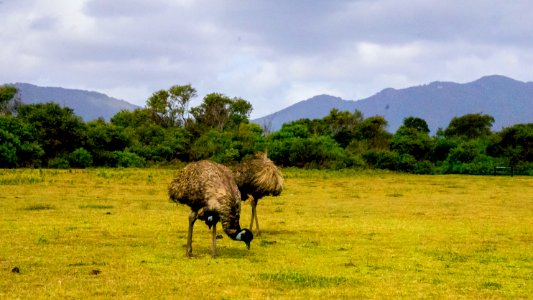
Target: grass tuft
(395,195)
(39,206)
(302,280)
(449,256)
(96,206)
(491,285)
(20,180)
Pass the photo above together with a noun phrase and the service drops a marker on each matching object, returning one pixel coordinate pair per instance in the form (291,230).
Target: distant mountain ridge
(509,101)
(86,104)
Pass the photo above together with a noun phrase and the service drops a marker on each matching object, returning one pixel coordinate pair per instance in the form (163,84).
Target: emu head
(246,236)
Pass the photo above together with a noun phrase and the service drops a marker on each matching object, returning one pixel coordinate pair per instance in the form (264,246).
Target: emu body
(258,177)
(209,189)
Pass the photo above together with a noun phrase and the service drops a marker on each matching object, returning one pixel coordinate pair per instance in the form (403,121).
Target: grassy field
(112,233)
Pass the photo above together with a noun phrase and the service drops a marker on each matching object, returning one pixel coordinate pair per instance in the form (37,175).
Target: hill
(509,101)
(86,104)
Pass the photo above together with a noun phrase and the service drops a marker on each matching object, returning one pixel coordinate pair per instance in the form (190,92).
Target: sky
(273,53)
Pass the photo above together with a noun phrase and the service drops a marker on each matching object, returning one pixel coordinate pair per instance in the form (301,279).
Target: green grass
(113,233)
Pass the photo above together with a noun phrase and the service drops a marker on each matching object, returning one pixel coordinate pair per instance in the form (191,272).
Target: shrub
(424,167)
(127,159)
(524,169)
(80,158)
(381,159)
(8,149)
(58,163)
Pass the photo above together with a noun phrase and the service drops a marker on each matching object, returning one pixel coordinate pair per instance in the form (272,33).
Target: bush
(58,163)
(227,156)
(524,169)
(424,167)
(480,165)
(381,159)
(127,159)
(313,152)
(80,158)
(8,149)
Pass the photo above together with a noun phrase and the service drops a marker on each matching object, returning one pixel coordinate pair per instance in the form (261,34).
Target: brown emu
(210,191)
(258,177)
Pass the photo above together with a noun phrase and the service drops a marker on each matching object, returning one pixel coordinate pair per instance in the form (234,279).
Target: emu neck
(231,226)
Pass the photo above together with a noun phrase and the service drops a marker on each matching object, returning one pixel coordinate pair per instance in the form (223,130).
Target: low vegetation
(113,233)
(168,132)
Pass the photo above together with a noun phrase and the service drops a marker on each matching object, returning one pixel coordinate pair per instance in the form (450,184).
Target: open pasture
(113,233)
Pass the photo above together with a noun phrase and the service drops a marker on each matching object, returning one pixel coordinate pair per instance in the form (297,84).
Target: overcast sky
(272,53)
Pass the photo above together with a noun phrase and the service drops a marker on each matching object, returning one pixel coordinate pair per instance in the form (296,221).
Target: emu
(209,189)
(258,177)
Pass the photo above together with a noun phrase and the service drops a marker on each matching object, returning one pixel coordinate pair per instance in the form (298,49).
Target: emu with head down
(258,177)
(209,189)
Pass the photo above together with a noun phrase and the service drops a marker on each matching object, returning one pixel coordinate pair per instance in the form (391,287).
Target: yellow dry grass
(112,233)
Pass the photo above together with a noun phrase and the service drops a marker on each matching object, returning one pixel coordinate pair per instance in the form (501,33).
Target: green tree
(157,144)
(293,129)
(80,158)
(342,125)
(442,146)
(9,101)
(135,118)
(370,134)
(181,96)
(220,112)
(105,138)
(413,138)
(127,159)
(249,139)
(170,107)
(57,129)
(9,144)
(211,144)
(418,124)
(19,145)
(469,157)
(514,143)
(470,126)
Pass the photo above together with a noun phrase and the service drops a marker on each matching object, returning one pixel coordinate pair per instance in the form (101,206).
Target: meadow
(113,233)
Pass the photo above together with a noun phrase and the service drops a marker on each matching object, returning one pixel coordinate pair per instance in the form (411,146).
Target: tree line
(167,131)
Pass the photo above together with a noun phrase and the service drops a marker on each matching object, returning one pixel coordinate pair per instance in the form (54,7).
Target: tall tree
(135,118)
(470,126)
(18,147)
(373,131)
(170,107)
(219,111)
(9,100)
(58,130)
(412,138)
(418,124)
(514,143)
(181,96)
(342,125)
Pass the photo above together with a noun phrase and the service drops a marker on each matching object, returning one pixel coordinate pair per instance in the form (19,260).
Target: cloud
(272,53)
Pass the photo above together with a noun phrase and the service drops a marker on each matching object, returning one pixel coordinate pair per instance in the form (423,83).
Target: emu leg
(257,232)
(254,216)
(252,203)
(192,218)
(214,244)
(257,224)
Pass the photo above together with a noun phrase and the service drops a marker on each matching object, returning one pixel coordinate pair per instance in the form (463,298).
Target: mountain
(86,104)
(509,101)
